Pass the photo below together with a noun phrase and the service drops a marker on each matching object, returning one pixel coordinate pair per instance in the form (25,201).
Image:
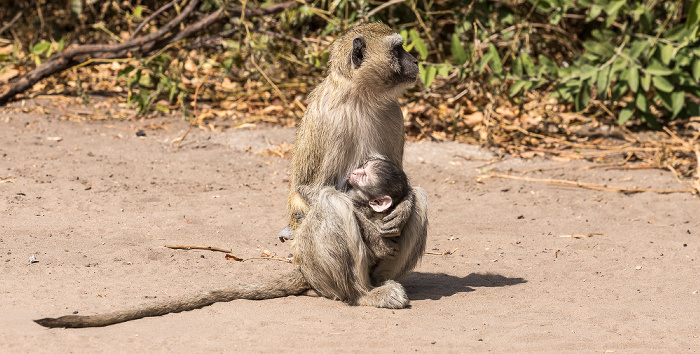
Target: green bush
(634,58)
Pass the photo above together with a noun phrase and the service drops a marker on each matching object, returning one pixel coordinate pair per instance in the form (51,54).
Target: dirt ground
(95,204)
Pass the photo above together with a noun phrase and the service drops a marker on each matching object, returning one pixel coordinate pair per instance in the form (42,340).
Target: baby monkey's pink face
(362,177)
(364,180)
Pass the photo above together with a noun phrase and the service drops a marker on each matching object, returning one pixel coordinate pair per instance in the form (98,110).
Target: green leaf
(677,103)
(582,97)
(484,61)
(661,84)
(125,71)
(604,50)
(517,86)
(633,79)
(614,6)
(138,10)
(41,47)
(528,64)
(664,98)
(693,14)
(444,70)
(625,114)
(495,60)
(658,69)
(517,67)
(419,45)
(430,75)
(588,71)
(556,18)
(666,53)
(603,81)
(641,102)
(135,80)
(696,69)
(619,89)
(61,44)
(646,82)
(593,12)
(637,48)
(458,52)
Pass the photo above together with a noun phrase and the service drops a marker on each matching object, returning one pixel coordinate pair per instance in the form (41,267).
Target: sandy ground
(97,207)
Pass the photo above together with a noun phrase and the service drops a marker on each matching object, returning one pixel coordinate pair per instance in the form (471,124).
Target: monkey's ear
(358,52)
(380,204)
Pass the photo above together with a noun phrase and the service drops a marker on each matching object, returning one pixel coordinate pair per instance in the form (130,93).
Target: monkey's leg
(390,295)
(329,248)
(411,243)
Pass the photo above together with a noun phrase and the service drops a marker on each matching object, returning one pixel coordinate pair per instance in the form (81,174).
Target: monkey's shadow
(433,286)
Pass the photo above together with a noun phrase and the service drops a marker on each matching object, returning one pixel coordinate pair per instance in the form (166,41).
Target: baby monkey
(375,189)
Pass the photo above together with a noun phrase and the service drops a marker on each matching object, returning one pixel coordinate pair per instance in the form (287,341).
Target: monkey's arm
(392,224)
(378,244)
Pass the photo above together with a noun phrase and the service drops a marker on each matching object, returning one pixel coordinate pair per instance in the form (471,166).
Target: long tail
(292,283)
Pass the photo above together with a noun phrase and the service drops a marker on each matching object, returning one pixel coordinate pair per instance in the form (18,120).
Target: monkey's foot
(390,295)
(286,234)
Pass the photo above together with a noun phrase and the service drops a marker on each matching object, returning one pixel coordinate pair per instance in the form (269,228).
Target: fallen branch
(593,186)
(207,248)
(150,43)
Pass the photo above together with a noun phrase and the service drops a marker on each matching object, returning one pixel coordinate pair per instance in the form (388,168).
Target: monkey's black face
(408,64)
(382,63)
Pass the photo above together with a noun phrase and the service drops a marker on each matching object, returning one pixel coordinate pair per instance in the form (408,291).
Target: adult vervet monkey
(352,115)
(355,108)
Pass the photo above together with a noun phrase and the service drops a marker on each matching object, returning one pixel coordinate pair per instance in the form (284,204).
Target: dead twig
(583,236)
(382,6)
(271,258)
(444,253)
(206,248)
(152,16)
(542,169)
(12,22)
(585,185)
(471,158)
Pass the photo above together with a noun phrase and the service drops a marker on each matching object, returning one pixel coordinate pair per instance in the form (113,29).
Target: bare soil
(95,204)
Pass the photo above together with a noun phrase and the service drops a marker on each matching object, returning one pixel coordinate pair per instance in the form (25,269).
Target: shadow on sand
(433,286)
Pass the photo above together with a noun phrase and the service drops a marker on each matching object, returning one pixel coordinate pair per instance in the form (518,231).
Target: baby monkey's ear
(381,204)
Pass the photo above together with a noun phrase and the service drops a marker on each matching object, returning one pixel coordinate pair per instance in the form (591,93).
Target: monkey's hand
(392,224)
(379,245)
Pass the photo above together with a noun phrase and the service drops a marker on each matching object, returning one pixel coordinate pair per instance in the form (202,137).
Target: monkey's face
(374,59)
(366,188)
(362,177)
(384,64)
